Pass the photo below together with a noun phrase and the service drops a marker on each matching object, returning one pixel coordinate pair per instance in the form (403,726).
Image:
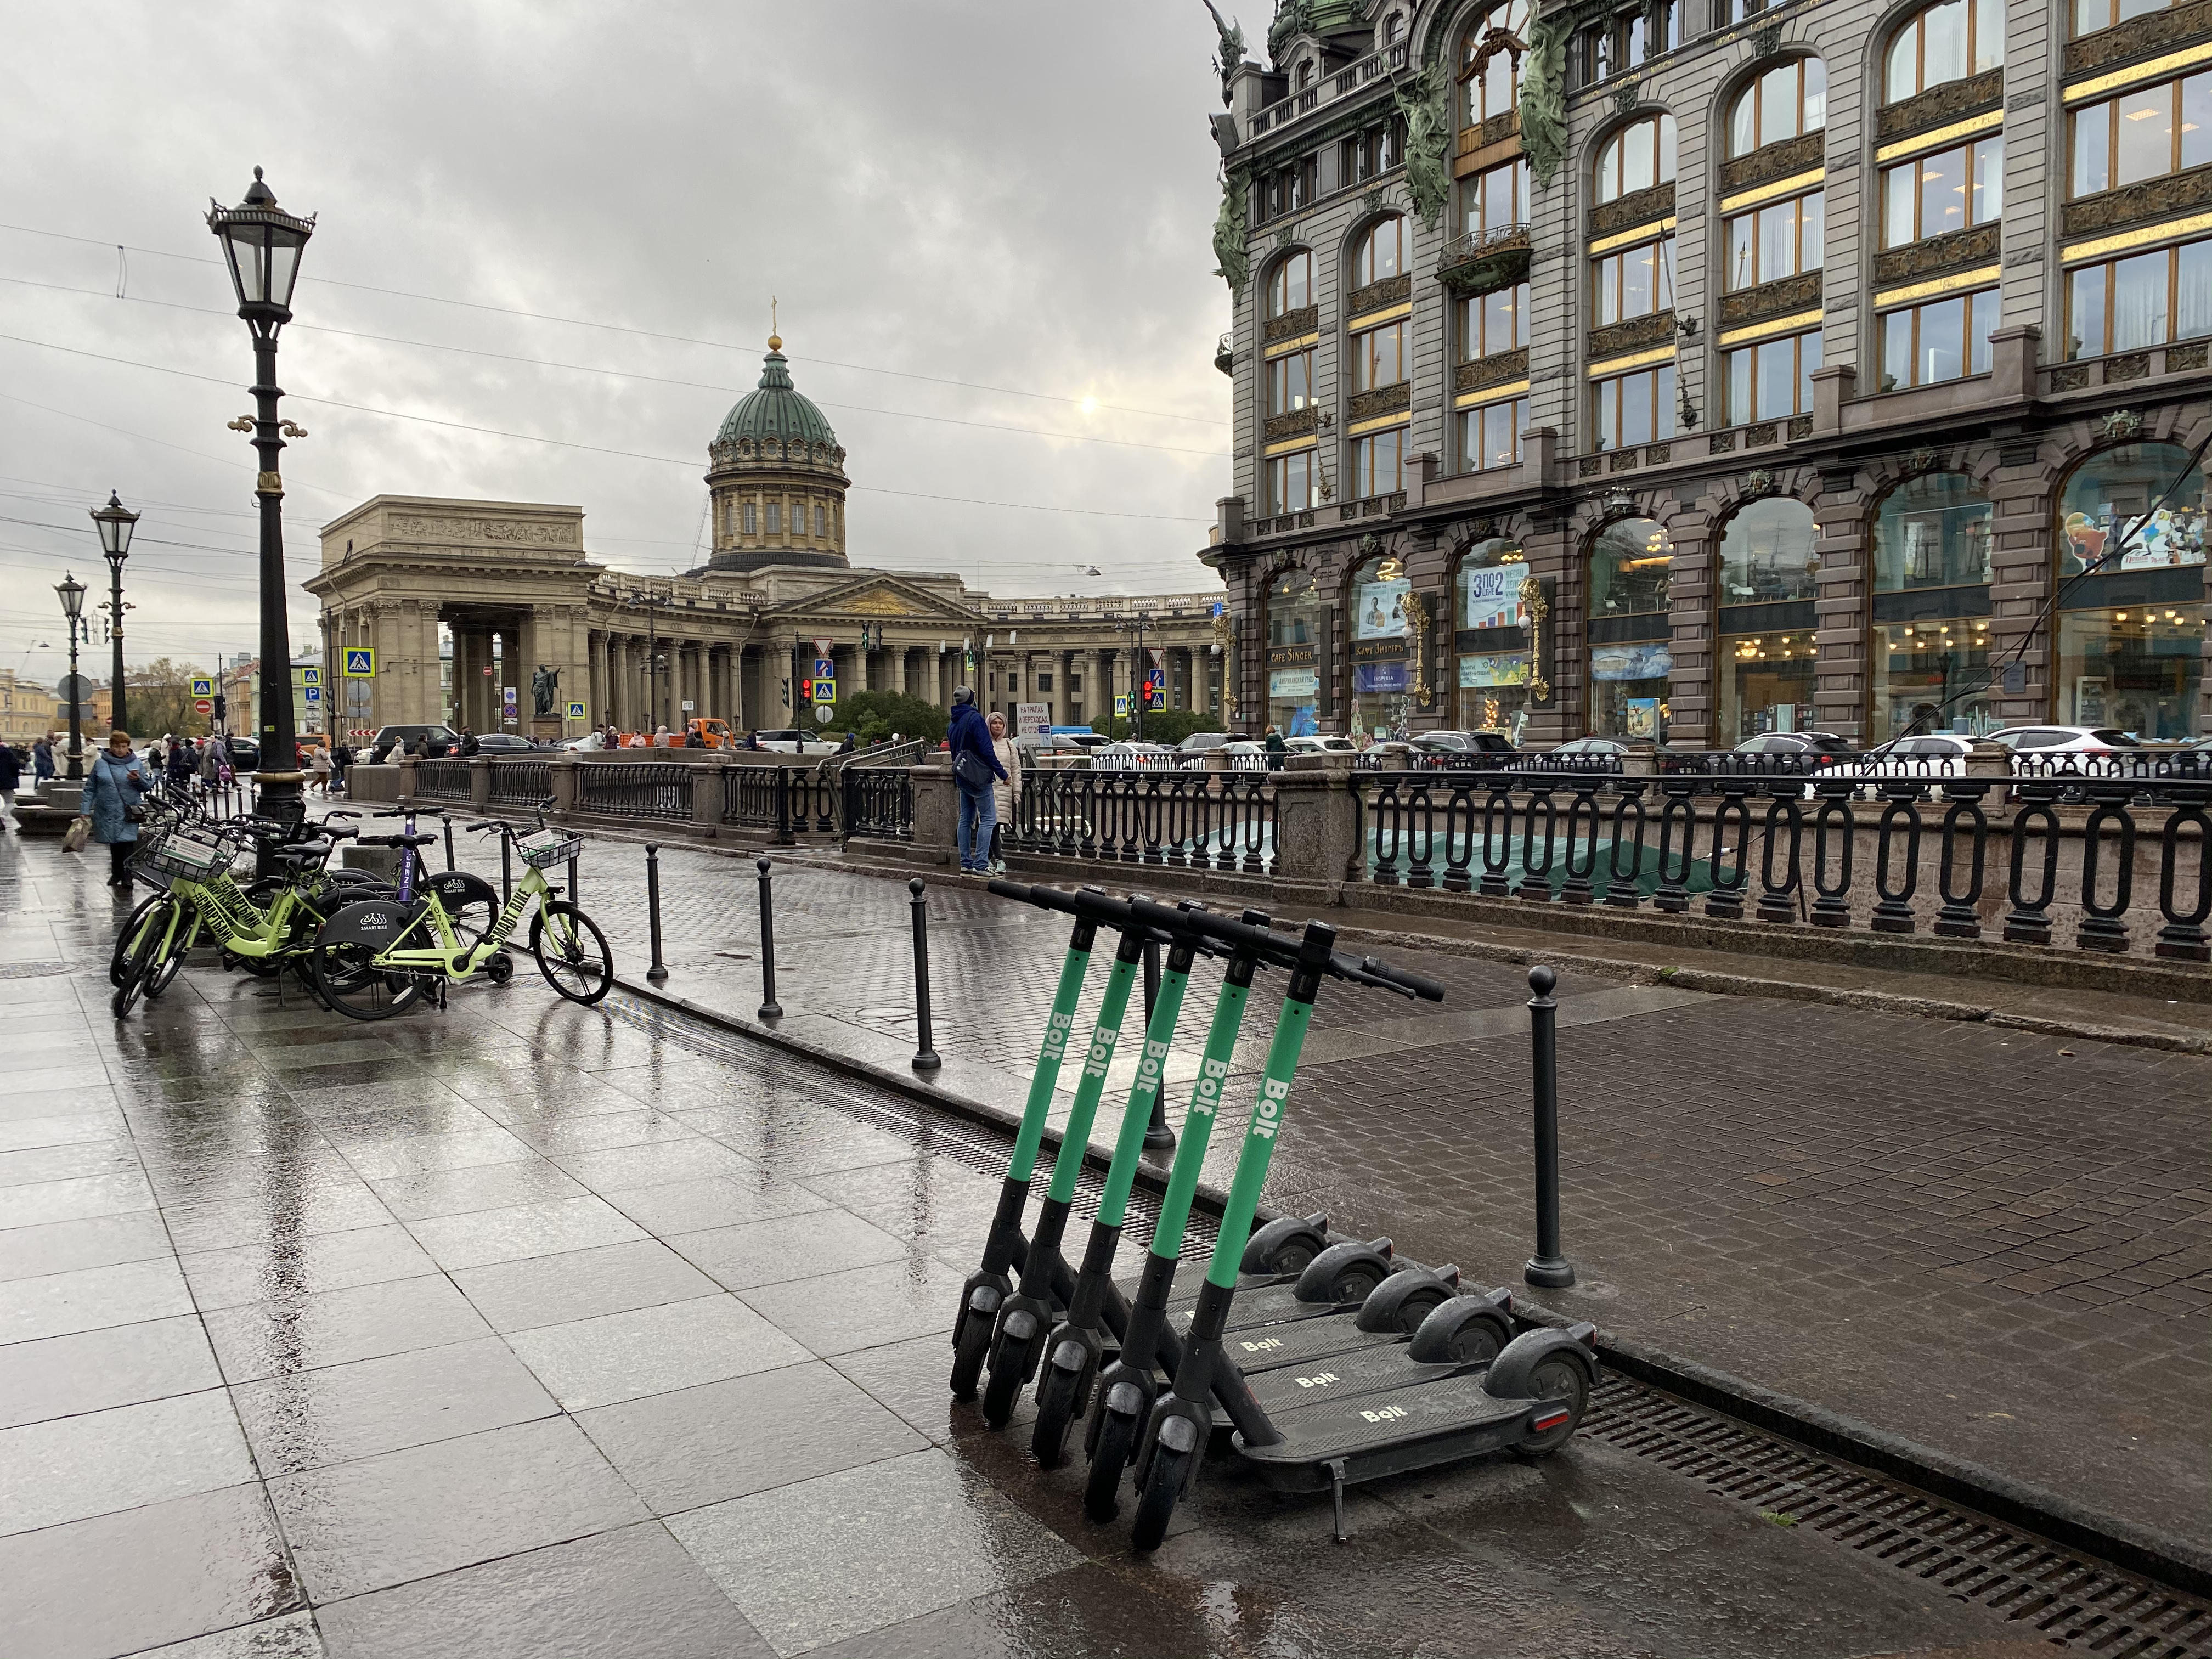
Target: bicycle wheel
(572,952)
(127,935)
(163,973)
(145,947)
(349,981)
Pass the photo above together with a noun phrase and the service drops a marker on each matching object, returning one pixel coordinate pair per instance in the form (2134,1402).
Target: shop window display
(1929,665)
(1630,656)
(1382,693)
(1294,645)
(1489,641)
(1769,577)
(2130,630)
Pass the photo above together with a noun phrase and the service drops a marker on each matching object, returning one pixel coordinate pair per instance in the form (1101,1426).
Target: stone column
(2019,574)
(1844,636)
(1693,698)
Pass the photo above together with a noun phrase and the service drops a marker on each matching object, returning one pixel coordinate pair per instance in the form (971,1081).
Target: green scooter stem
(1003,1245)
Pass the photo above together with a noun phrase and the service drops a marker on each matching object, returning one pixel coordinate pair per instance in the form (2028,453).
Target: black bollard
(446,819)
(659,971)
(925,1053)
(1547,1268)
(769,1008)
(1156,1133)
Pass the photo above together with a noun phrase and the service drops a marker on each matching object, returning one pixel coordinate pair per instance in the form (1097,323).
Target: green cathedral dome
(776,410)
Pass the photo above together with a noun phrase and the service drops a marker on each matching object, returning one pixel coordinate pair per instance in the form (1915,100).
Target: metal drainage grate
(978,1146)
(31,969)
(2064,1596)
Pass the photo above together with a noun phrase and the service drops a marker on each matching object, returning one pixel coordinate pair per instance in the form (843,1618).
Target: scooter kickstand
(1335,1467)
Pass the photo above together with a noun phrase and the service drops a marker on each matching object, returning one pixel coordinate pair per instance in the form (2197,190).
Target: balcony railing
(1342,83)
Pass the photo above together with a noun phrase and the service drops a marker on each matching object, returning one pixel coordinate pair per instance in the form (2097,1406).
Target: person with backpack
(975,769)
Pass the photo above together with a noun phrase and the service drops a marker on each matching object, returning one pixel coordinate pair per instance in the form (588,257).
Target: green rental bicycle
(376,958)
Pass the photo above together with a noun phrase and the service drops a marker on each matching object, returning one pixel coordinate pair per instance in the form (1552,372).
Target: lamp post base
(1550,1272)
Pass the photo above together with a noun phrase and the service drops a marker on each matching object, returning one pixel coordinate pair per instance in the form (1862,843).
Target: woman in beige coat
(1006,793)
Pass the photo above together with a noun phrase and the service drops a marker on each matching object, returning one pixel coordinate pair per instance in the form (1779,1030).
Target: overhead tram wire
(645,333)
(594,449)
(160,443)
(631,375)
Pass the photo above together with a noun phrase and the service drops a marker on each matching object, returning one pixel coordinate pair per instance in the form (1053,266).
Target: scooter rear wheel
(1155,1505)
(969,1350)
(1558,1376)
(1109,1461)
(1009,1366)
(1056,1415)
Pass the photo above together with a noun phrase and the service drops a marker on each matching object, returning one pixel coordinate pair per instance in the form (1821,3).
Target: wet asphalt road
(512,1329)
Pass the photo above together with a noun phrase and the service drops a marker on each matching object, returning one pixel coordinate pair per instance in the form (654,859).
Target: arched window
(1768,580)
(2130,637)
(1394,29)
(1947,41)
(1489,61)
(1305,75)
(1382,692)
(1929,648)
(1294,664)
(1290,284)
(1784,102)
(1628,629)
(1638,156)
(1490,648)
(1381,253)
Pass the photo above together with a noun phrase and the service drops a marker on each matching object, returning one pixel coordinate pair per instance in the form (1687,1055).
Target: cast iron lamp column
(72,593)
(263,244)
(115,521)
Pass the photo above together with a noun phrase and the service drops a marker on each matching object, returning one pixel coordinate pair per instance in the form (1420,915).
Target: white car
(1246,757)
(1133,757)
(793,741)
(1935,754)
(1322,746)
(2063,739)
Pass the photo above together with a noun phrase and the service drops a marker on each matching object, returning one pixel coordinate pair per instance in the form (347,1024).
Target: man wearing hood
(974,769)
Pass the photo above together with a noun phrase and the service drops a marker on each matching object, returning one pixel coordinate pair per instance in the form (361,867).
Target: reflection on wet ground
(515,1330)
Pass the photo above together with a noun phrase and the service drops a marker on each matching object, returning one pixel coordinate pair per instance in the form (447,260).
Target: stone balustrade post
(1316,820)
(562,782)
(708,790)
(406,780)
(936,814)
(480,786)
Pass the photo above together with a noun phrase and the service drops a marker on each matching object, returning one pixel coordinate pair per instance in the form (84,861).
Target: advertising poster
(1381,676)
(1500,669)
(2169,538)
(1378,609)
(1642,719)
(1630,662)
(1493,597)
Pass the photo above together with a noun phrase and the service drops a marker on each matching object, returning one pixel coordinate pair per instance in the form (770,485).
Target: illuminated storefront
(1630,658)
(1929,668)
(2131,612)
(1297,629)
(1768,572)
(1490,642)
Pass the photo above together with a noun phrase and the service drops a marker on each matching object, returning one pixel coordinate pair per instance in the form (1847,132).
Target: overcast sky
(1016,197)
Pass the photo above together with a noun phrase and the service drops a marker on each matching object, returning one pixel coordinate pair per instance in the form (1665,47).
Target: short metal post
(769,1008)
(446,819)
(925,1053)
(659,971)
(1547,1268)
(505,873)
(572,881)
(1156,1133)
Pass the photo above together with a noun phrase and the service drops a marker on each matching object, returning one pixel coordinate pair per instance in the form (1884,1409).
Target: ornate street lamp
(72,593)
(261,243)
(115,521)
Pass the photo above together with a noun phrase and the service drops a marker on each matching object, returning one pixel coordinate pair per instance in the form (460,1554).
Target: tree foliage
(877,714)
(158,699)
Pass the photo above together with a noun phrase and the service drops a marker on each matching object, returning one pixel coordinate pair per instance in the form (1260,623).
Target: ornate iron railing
(636,789)
(1189,820)
(790,800)
(877,803)
(1339,83)
(442,780)
(2036,856)
(521,783)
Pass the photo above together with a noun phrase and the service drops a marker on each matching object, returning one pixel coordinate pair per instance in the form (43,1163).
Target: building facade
(540,637)
(1692,369)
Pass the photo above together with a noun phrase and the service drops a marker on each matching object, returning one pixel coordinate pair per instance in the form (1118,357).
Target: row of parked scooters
(1326,1361)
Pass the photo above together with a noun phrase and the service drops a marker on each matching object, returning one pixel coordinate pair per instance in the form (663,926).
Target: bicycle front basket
(543,848)
(194,854)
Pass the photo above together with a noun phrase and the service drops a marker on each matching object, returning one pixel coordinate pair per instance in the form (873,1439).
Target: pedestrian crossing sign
(575,711)
(311,677)
(361,662)
(1121,705)
(203,687)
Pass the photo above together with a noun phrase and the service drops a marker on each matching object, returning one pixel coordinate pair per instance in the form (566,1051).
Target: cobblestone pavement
(518,1329)
(1992,1241)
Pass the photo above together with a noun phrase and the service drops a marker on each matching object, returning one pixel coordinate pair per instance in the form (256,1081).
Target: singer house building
(1686,372)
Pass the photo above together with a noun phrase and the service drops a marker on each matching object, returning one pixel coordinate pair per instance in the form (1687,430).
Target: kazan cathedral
(496,615)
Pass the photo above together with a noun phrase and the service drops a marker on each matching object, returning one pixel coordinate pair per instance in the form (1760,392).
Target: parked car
(2063,739)
(1245,755)
(1199,741)
(391,740)
(1133,757)
(1599,747)
(245,754)
(1079,741)
(504,743)
(1933,755)
(1812,748)
(791,741)
(1312,745)
(1475,744)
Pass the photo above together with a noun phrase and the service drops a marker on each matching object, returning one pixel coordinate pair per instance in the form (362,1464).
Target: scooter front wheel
(1155,1505)
(1055,1414)
(1009,1371)
(969,1349)
(1109,1461)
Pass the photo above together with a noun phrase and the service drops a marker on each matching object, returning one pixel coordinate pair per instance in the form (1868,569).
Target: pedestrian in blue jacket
(974,769)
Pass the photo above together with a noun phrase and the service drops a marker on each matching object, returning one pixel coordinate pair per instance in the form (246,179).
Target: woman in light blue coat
(113,792)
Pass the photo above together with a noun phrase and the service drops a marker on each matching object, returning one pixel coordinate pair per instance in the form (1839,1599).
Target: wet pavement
(1941,1229)
(518,1328)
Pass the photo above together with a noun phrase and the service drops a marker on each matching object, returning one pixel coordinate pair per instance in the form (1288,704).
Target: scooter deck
(1395,1429)
(1262,1348)
(1348,1376)
(1271,1304)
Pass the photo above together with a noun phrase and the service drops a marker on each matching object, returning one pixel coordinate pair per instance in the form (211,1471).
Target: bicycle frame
(447,956)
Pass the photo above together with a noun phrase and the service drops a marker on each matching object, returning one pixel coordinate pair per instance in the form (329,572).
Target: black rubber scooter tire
(1006,1384)
(1557,1376)
(1055,1416)
(1155,1505)
(968,1353)
(1110,1463)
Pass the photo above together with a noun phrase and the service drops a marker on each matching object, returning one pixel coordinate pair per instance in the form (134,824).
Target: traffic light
(784,687)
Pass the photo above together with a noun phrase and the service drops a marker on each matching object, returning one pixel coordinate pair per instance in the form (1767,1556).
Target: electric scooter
(1529,1399)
